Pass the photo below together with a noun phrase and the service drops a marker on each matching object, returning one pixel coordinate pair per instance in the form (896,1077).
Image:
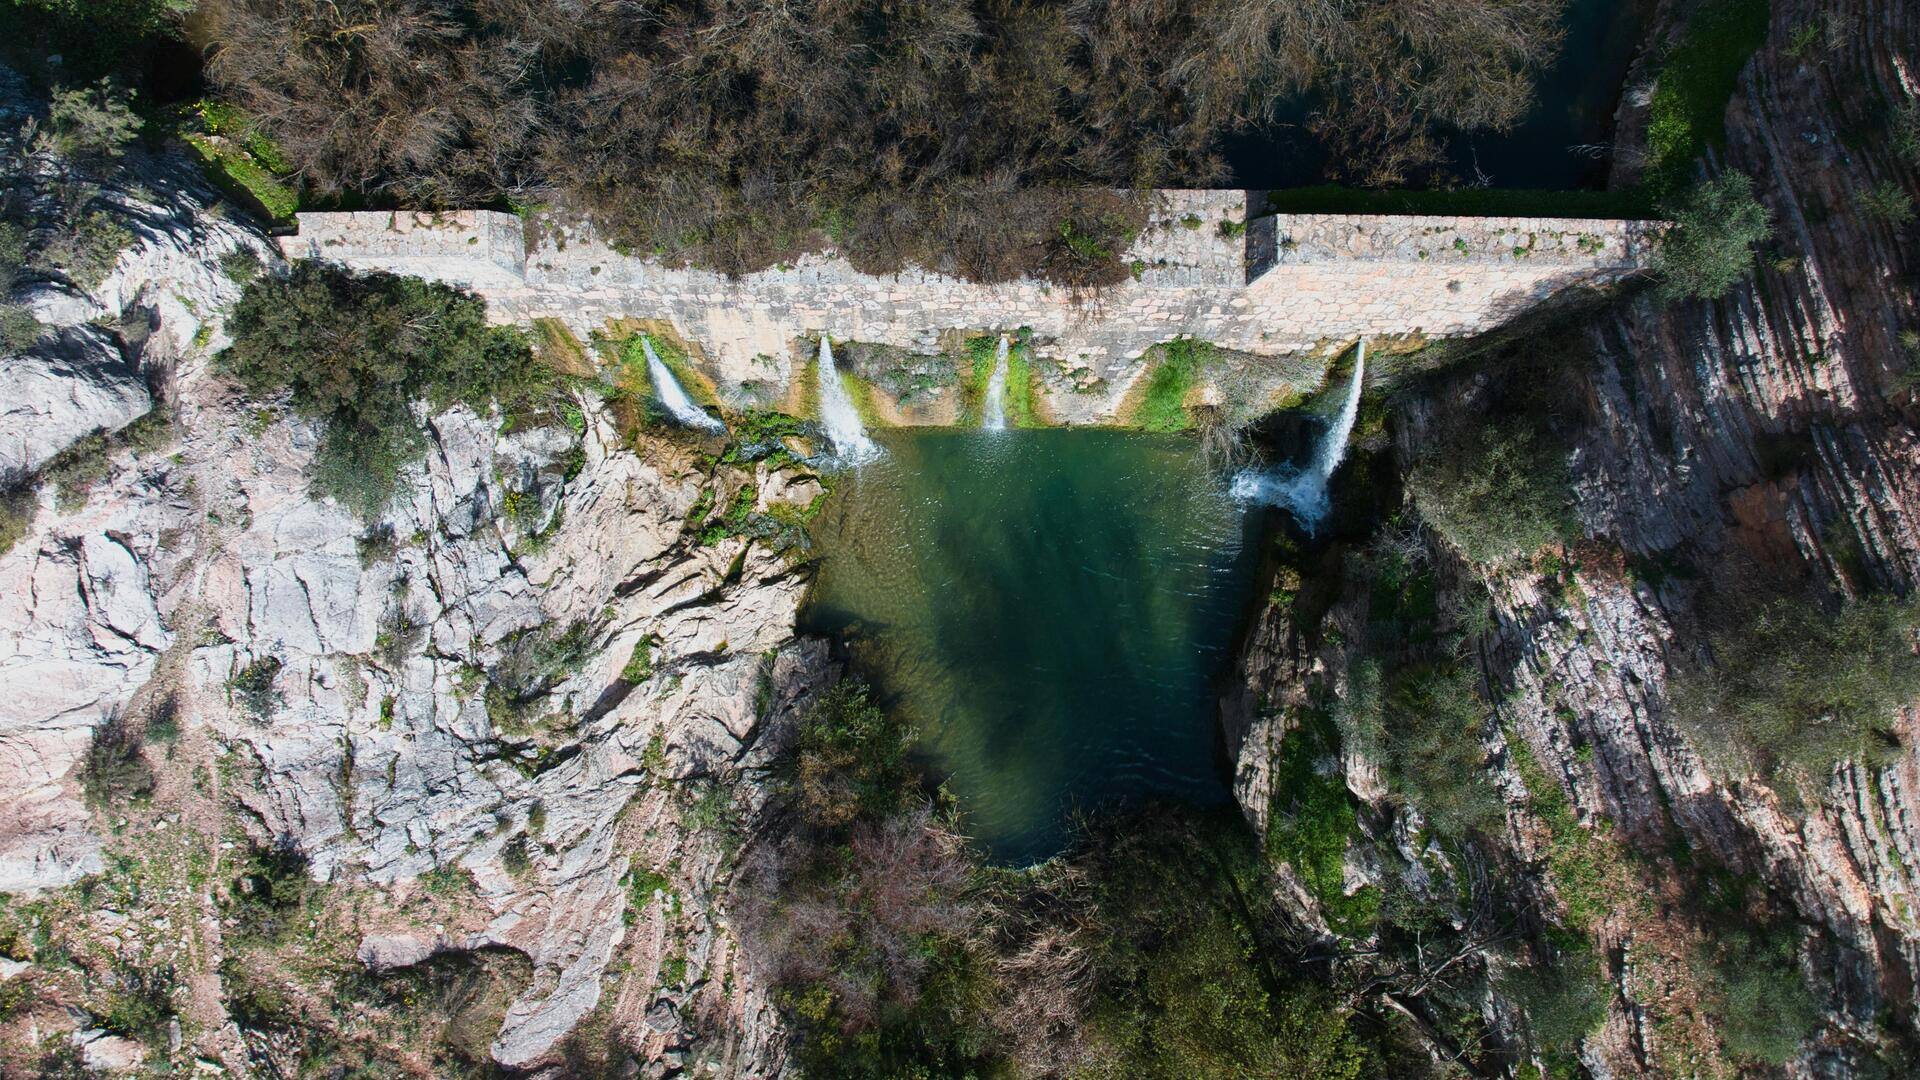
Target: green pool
(1050,609)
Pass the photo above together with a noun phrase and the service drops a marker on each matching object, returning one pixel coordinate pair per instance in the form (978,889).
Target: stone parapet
(1273,286)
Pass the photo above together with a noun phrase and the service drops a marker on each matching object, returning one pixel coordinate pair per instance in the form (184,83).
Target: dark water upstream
(1049,608)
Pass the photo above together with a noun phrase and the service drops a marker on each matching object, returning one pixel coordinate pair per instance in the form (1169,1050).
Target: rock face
(342,668)
(73,383)
(1773,428)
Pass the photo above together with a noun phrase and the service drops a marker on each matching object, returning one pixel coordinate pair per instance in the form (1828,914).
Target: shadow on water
(1050,609)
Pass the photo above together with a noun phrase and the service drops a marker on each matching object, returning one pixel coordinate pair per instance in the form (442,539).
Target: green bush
(850,758)
(241,265)
(639,666)
(18,507)
(1565,997)
(1504,494)
(354,351)
(18,327)
(1905,132)
(1310,822)
(269,897)
(1889,203)
(1765,1007)
(1433,723)
(1795,687)
(93,122)
(531,664)
(95,36)
(1710,249)
(85,244)
(1185,984)
(74,471)
(252,687)
(115,773)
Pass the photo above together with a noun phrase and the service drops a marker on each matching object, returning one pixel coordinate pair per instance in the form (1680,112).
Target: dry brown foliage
(856,925)
(736,133)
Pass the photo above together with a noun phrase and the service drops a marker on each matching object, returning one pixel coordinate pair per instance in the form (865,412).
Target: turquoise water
(1050,610)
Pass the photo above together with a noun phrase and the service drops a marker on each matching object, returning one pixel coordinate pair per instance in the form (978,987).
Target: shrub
(115,772)
(1710,248)
(1504,494)
(354,351)
(1795,687)
(19,503)
(1565,997)
(516,858)
(850,758)
(252,687)
(93,122)
(639,666)
(241,265)
(1766,1009)
(1889,203)
(1311,822)
(86,244)
(741,133)
(1905,129)
(531,664)
(1696,80)
(1433,724)
(74,471)
(868,945)
(94,36)
(269,896)
(1184,986)
(18,326)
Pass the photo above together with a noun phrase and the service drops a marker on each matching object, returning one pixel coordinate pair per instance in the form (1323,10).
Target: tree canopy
(737,132)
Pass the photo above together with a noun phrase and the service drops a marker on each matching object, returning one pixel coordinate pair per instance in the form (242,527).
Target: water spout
(994,415)
(1303,492)
(672,397)
(838,416)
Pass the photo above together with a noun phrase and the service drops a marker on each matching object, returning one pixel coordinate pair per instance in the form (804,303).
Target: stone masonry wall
(1273,286)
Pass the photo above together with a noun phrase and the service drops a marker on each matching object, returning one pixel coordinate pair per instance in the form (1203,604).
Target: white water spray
(1303,492)
(672,397)
(838,416)
(994,415)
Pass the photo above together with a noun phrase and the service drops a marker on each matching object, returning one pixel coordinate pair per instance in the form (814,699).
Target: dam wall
(1271,285)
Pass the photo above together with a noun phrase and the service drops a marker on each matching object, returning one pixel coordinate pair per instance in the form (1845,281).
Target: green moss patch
(1162,400)
(1696,80)
(1311,821)
(242,161)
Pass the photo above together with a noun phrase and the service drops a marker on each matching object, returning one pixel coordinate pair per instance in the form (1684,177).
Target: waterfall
(994,415)
(838,416)
(672,397)
(1304,491)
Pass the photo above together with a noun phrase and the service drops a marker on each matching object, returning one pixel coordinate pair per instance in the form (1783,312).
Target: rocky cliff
(1717,452)
(481,720)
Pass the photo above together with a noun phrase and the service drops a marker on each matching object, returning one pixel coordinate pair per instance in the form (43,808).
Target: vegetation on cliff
(1717,226)
(1152,950)
(1797,686)
(356,351)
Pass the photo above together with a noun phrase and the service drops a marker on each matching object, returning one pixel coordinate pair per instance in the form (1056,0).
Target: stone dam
(1292,286)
